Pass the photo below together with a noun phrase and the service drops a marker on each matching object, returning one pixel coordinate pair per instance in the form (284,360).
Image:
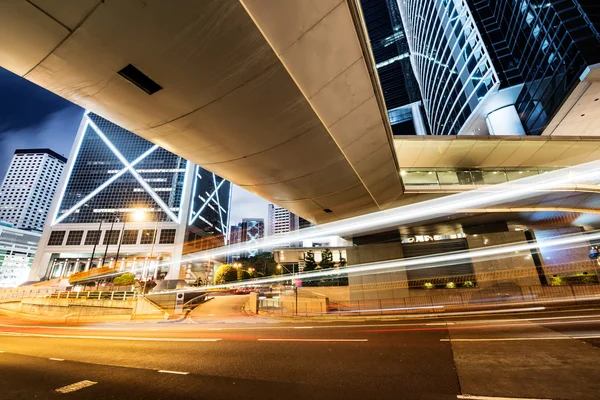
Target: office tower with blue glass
(505,67)
(127,204)
(392,58)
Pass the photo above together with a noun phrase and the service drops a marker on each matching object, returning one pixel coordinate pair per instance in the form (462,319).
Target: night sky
(32,117)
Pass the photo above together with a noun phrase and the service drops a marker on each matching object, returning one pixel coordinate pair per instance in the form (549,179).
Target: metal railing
(20,293)
(95,295)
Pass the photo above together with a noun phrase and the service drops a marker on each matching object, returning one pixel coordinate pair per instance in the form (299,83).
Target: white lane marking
(162,371)
(508,339)
(466,396)
(142,339)
(56,359)
(312,340)
(76,386)
(482,321)
(303,327)
(440,323)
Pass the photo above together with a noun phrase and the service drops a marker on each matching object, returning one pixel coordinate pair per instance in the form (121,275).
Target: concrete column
(525,272)
(186,196)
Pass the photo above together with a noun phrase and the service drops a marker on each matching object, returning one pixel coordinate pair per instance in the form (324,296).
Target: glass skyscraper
(128,204)
(451,64)
(499,67)
(544,45)
(392,58)
(116,172)
(209,209)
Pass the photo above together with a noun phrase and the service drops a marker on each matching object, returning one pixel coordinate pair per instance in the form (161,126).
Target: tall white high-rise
(28,188)
(281,221)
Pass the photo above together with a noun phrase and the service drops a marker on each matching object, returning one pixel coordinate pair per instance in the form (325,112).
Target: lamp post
(140,215)
(107,241)
(96,242)
(120,239)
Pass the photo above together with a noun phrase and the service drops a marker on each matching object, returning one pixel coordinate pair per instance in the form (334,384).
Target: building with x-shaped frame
(128,204)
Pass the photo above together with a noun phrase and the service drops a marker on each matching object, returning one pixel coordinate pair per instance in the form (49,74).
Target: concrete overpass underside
(279,97)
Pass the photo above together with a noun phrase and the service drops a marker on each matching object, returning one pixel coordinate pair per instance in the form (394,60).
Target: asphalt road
(548,355)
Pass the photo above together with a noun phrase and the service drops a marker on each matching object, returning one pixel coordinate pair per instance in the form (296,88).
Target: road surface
(544,355)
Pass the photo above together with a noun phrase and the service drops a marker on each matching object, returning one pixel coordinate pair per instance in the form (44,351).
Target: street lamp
(140,215)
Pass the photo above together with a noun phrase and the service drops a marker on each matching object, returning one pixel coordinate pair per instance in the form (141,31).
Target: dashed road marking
(303,327)
(56,359)
(466,396)
(508,339)
(76,386)
(162,371)
(441,323)
(312,340)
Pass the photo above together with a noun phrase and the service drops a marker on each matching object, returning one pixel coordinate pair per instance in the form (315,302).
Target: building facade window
(56,238)
(167,236)
(148,236)
(111,237)
(92,238)
(74,238)
(130,236)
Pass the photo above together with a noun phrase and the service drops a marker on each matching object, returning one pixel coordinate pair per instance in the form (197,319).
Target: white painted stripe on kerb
(313,340)
(466,396)
(76,386)
(162,371)
(56,359)
(522,338)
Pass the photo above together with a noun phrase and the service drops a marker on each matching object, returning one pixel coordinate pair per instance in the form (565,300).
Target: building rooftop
(47,151)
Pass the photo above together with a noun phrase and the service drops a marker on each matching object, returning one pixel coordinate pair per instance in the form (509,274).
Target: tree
(124,280)
(242,274)
(326,259)
(225,273)
(309,261)
(263,263)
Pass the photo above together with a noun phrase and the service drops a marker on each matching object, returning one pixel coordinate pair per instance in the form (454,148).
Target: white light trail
(430,209)
(414,263)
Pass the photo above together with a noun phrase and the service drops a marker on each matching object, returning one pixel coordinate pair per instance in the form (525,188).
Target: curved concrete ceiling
(279,97)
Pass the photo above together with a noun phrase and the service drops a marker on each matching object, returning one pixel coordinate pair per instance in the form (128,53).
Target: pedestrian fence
(9,295)
(460,300)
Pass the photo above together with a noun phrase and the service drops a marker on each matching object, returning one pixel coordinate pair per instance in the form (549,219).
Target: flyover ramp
(279,97)
(223,309)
